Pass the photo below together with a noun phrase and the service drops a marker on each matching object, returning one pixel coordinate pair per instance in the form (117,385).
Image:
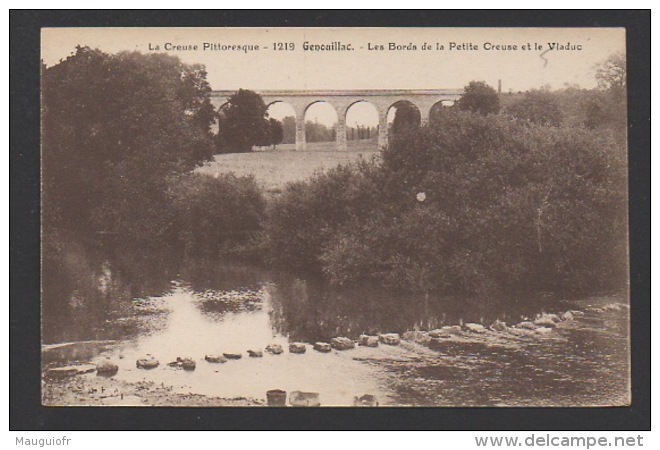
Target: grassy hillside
(274,168)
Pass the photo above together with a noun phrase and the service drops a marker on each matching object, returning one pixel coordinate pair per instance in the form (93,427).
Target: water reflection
(88,290)
(95,288)
(310,311)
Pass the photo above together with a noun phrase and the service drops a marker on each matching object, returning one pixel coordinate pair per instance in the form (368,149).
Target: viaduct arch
(382,99)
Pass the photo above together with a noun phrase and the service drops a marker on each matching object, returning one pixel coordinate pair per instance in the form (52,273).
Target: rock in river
(543,330)
(498,325)
(553,317)
(274,349)
(439,333)
(418,337)
(215,358)
(298,398)
(527,326)
(297,347)
(106,367)
(521,331)
(255,353)
(545,321)
(148,362)
(322,347)
(568,316)
(368,341)
(342,343)
(188,364)
(435,343)
(390,338)
(276,397)
(183,363)
(451,329)
(367,400)
(475,328)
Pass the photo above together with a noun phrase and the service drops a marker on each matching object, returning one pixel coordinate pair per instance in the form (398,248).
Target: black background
(26,412)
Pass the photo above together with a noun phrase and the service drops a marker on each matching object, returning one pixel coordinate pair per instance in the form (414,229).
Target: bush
(537,107)
(473,204)
(305,219)
(217,215)
(528,206)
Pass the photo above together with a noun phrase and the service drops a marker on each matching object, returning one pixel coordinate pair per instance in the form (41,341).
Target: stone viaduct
(381,99)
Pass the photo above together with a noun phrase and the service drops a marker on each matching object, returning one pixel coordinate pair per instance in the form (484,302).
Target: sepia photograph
(334,217)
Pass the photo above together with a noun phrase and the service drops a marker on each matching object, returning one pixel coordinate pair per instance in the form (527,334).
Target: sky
(451,58)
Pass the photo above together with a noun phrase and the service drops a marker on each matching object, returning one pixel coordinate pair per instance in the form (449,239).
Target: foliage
(478,97)
(604,112)
(289,130)
(359,132)
(592,108)
(216,214)
(115,128)
(472,204)
(611,75)
(276,131)
(597,112)
(475,202)
(607,109)
(317,132)
(538,107)
(524,206)
(243,123)
(303,221)
(406,116)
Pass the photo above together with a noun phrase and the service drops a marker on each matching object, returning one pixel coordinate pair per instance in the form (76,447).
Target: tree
(597,112)
(478,97)
(469,204)
(406,116)
(276,132)
(245,122)
(220,139)
(537,107)
(289,130)
(194,93)
(611,75)
(115,129)
(317,132)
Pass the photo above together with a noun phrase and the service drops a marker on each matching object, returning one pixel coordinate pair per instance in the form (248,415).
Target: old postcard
(315,217)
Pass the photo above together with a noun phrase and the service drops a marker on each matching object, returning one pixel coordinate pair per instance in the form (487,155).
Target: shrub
(217,215)
(472,204)
(308,214)
(537,107)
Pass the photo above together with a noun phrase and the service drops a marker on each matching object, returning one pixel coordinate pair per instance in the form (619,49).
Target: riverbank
(100,391)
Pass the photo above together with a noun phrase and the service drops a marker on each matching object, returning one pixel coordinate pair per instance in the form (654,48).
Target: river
(125,304)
